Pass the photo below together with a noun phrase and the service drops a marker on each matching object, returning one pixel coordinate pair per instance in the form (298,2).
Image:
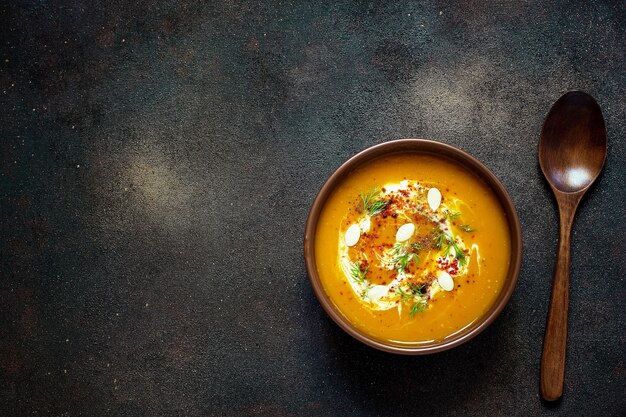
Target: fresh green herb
(413,257)
(405,295)
(418,289)
(402,257)
(417,294)
(466,228)
(414,291)
(454,215)
(418,307)
(447,242)
(397,249)
(458,252)
(372,202)
(357,273)
(417,246)
(440,238)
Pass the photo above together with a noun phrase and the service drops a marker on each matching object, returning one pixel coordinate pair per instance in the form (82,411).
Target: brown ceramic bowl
(423,146)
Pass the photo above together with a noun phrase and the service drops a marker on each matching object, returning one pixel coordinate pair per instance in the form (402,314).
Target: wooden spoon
(572,150)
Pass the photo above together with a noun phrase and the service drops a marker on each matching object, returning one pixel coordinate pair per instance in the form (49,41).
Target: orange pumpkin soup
(412,248)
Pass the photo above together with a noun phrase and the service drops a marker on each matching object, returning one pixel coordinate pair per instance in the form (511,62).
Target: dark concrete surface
(158,160)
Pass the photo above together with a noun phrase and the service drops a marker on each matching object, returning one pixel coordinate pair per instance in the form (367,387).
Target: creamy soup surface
(412,248)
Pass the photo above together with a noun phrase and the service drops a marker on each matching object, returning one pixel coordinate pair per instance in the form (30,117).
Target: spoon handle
(554,342)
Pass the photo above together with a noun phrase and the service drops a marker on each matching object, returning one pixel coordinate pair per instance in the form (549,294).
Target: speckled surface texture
(158,160)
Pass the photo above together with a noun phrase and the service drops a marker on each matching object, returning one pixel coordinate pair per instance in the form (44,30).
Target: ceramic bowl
(423,146)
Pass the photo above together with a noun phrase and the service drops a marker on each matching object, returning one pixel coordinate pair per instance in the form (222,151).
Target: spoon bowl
(573,143)
(572,151)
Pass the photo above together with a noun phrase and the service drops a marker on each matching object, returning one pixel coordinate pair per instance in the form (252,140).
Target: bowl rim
(423,146)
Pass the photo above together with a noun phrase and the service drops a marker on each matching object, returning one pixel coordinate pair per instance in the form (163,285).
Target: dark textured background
(158,160)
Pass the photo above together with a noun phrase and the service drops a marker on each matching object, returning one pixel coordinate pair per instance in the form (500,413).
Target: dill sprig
(440,238)
(417,294)
(418,307)
(405,295)
(414,291)
(372,202)
(357,273)
(458,252)
(417,246)
(402,257)
(447,242)
(453,215)
(466,228)
(418,289)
